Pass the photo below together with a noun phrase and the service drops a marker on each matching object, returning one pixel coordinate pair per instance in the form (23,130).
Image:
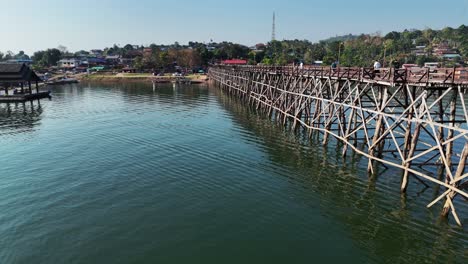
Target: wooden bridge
(413,120)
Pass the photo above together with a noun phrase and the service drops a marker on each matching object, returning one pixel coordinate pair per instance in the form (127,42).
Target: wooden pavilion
(19,77)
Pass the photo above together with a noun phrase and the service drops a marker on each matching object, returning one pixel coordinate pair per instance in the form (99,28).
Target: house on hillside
(419,51)
(68,63)
(96,61)
(452,57)
(112,59)
(441,49)
(147,52)
(260,46)
(133,53)
(96,52)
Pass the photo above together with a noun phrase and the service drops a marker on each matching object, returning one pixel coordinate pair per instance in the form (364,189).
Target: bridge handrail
(415,75)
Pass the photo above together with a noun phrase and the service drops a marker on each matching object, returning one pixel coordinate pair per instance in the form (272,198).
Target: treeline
(364,49)
(348,50)
(193,55)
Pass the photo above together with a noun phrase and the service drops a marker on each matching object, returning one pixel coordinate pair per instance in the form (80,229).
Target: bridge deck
(385,76)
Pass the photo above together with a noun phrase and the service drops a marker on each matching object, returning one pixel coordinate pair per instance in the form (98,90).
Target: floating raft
(24,97)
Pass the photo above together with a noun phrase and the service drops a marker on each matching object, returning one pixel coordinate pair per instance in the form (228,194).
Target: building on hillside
(419,51)
(112,59)
(452,57)
(96,61)
(147,52)
(129,70)
(260,46)
(133,53)
(68,63)
(96,52)
(443,48)
(234,62)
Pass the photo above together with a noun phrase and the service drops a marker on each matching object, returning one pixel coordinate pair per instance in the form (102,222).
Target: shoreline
(193,79)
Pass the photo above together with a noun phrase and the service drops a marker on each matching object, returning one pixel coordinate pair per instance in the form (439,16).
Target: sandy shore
(131,77)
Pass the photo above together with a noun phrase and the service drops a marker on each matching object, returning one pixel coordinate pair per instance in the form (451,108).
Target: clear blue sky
(31,25)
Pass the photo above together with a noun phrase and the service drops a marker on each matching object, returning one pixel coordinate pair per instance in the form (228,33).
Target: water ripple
(126,173)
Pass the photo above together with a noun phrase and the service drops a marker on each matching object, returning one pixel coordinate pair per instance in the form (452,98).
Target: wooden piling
(393,121)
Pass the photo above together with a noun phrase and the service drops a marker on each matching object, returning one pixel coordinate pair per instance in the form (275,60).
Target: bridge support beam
(397,123)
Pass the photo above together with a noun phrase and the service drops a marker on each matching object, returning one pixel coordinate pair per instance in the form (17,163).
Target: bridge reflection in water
(413,121)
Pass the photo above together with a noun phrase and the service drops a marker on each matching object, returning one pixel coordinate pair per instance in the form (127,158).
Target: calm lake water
(128,173)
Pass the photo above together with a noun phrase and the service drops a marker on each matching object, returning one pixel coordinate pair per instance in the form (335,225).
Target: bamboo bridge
(415,120)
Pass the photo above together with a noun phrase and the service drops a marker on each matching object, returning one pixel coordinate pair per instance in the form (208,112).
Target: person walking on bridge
(377,67)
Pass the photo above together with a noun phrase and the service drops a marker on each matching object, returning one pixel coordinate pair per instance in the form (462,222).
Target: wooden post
(449,148)
(378,126)
(460,170)
(441,118)
(408,148)
(407,165)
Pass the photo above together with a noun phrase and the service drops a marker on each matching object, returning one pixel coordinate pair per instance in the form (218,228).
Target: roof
(234,62)
(451,55)
(68,60)
(16,72)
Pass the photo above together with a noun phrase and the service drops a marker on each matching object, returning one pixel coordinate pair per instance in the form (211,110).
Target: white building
(68,63)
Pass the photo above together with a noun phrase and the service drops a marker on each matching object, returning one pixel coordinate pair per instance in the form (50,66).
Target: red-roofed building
(234,62)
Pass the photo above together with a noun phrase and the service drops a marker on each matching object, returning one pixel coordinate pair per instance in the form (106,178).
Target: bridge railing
(414,75)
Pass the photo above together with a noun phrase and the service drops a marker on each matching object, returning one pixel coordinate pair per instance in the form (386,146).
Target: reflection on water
(389,226)
(19,117)
(131,173)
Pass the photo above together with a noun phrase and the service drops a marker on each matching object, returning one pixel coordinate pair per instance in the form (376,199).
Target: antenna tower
(273,31)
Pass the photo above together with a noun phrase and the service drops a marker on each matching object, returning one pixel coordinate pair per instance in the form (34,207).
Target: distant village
(439,48)
(157,59)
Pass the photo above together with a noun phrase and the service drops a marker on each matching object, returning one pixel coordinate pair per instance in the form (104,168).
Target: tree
(163,58)
(9,55)
(38,58)
(50,57)
(138,63)
(21,56)
(62,49)
(267,61)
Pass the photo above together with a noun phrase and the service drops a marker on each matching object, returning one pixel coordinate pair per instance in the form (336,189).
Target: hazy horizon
(99,24)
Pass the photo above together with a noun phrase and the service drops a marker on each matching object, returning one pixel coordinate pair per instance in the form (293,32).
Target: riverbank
(142,77)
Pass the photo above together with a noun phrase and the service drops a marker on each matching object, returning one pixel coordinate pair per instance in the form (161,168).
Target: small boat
(63,81)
